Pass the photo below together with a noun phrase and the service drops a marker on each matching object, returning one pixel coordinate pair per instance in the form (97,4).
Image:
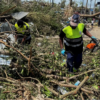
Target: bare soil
(95,31)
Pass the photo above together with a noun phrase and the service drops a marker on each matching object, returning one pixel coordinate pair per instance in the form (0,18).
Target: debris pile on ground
(38,71)
(45,63)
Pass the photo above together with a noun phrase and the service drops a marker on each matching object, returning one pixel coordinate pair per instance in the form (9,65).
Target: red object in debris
(90,45)
(99,87)
(52,53)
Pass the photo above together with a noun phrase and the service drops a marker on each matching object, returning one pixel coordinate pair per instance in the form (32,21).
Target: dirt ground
(95,32)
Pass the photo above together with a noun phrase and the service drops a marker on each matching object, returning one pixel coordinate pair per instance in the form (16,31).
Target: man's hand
(94,40)
(63,52)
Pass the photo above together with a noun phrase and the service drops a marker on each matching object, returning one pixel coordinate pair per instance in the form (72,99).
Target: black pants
(74,61)
(27,41)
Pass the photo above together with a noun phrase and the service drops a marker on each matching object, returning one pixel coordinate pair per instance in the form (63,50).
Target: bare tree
(94,5)
(18,2)
(86,6)
(90,6)
(70,3)
(63,3)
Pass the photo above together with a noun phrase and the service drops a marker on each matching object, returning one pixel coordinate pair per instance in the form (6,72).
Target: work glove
(63,52)
(94,40)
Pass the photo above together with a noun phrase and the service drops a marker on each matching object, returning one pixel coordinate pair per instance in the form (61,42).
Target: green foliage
(46,92)
(45,23)
(63,3)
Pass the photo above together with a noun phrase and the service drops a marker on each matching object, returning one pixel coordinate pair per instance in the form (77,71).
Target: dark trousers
(73,61)
(27,41)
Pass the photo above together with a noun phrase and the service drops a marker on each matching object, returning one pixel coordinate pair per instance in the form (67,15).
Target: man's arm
(86,32)
(61,42)
(61,36)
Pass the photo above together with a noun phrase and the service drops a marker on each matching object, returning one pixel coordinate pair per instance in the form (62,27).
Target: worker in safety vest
(71,36)
(23,32)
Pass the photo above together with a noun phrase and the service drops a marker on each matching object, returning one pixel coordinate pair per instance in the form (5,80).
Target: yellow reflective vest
(22,29)
(74,33)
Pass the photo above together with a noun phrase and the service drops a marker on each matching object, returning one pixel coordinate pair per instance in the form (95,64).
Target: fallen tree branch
(7,10)
(1,33)
(48,99)
(14,49)
(83,74)
(54,92)
(23,56)
(81,94)
(14,91)
(28,78)
(10,27)
(71,86)
(80,85)
(85,15)
(76,90)
(56,77)
(5,16)
(87,95)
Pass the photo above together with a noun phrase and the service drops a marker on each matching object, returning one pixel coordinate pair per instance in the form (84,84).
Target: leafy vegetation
(38,69)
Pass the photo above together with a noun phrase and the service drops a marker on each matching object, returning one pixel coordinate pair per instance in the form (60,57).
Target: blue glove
(93,37)
(94,40)
(63,52)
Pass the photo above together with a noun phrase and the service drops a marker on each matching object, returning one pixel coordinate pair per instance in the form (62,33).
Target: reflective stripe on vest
(21,30)
(74,33)
(74,45)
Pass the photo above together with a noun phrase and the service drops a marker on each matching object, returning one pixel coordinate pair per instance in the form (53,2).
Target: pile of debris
(38,71)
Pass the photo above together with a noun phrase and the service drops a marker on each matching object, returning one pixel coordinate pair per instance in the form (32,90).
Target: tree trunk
(94,6)
(70,3)
(82,7)
(86,6)
(90,7)
(17,2)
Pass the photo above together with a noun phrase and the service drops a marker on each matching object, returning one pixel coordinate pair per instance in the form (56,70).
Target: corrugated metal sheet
(19,15)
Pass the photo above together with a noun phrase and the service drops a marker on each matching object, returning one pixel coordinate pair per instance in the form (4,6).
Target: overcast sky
(77,1)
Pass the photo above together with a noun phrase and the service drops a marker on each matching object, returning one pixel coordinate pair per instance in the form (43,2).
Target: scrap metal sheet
(19,15)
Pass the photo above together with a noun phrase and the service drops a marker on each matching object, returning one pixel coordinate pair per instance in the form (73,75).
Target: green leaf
(22,72)
(47,92)
(60,73)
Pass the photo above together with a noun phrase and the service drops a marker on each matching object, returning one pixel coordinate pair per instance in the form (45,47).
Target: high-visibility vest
(73,37)
(22,29)
(74,33)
